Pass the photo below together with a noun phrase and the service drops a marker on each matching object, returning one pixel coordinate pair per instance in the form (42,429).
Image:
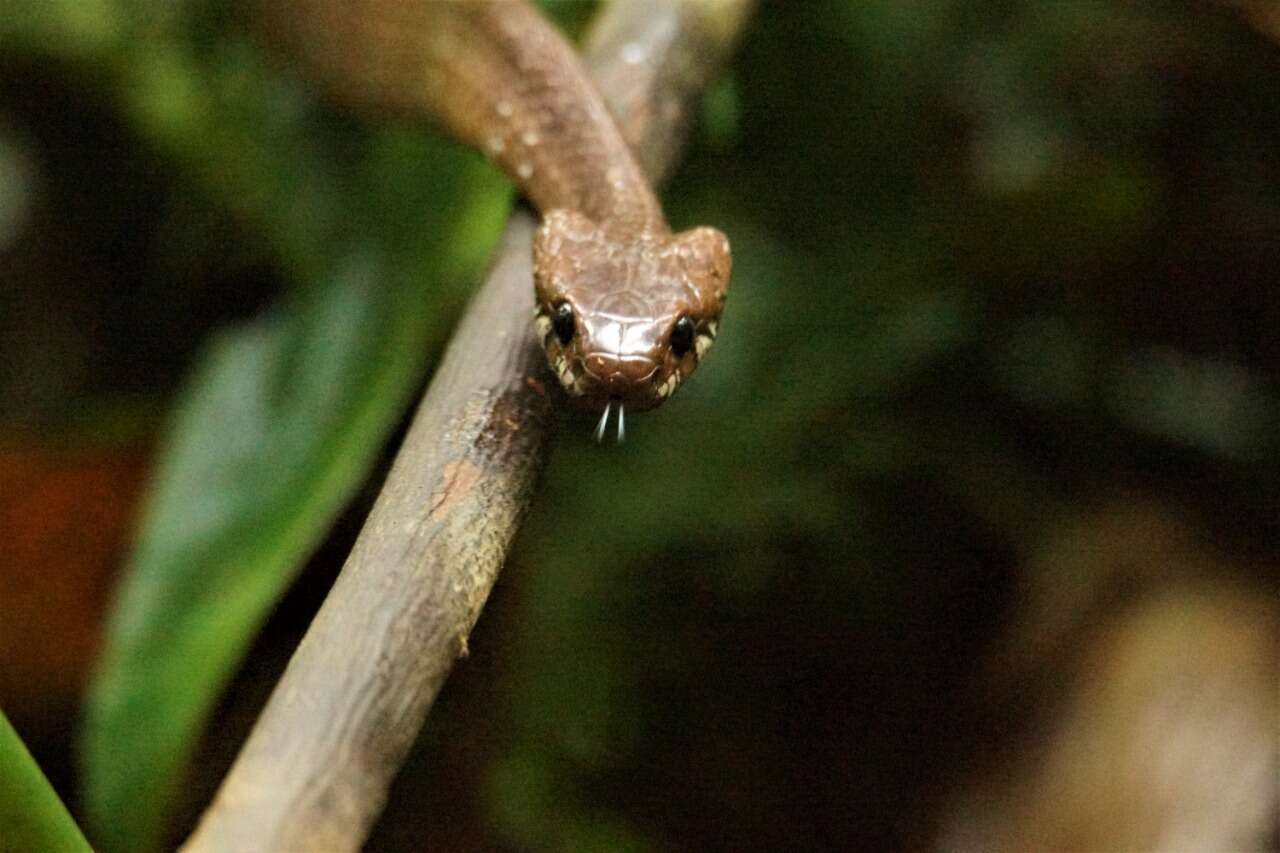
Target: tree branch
(315,771)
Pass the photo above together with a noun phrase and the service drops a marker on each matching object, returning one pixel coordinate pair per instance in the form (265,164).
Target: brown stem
(314,772)
(1262,15)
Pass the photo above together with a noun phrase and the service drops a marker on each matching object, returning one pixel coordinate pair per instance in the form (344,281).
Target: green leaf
(31,815)
(282,418)
(277,428)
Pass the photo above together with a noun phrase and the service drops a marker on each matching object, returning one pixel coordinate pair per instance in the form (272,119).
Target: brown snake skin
(625,309)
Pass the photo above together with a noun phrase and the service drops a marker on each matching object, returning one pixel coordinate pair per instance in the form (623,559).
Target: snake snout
(619,375)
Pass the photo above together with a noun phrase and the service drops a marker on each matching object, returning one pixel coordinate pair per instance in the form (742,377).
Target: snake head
(626,319)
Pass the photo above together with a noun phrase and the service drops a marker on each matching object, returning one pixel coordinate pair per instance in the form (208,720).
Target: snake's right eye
(562,322)
(682,335)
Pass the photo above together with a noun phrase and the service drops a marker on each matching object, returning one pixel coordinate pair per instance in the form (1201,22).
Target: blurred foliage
(31,815)
(995,262)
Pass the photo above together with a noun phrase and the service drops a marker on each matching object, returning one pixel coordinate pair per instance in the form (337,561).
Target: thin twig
(315,771)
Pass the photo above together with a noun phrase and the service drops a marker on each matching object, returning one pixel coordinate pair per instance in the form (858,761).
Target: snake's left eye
(682,336)
(562,322)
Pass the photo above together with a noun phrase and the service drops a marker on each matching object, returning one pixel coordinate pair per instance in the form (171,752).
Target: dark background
(965,536)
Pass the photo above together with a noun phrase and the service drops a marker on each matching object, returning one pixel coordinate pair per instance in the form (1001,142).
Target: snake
(625,308)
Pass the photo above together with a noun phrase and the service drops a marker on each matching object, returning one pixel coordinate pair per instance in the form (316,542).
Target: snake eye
(682,336)
(562,322)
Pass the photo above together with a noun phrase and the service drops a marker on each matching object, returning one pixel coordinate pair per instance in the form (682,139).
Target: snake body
(625,309)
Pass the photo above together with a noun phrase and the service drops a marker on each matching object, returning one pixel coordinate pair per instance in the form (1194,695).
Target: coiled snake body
(625,308)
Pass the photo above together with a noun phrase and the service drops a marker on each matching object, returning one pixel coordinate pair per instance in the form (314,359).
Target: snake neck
(500,79)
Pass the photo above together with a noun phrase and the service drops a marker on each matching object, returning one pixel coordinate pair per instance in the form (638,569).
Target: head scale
(626,320)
